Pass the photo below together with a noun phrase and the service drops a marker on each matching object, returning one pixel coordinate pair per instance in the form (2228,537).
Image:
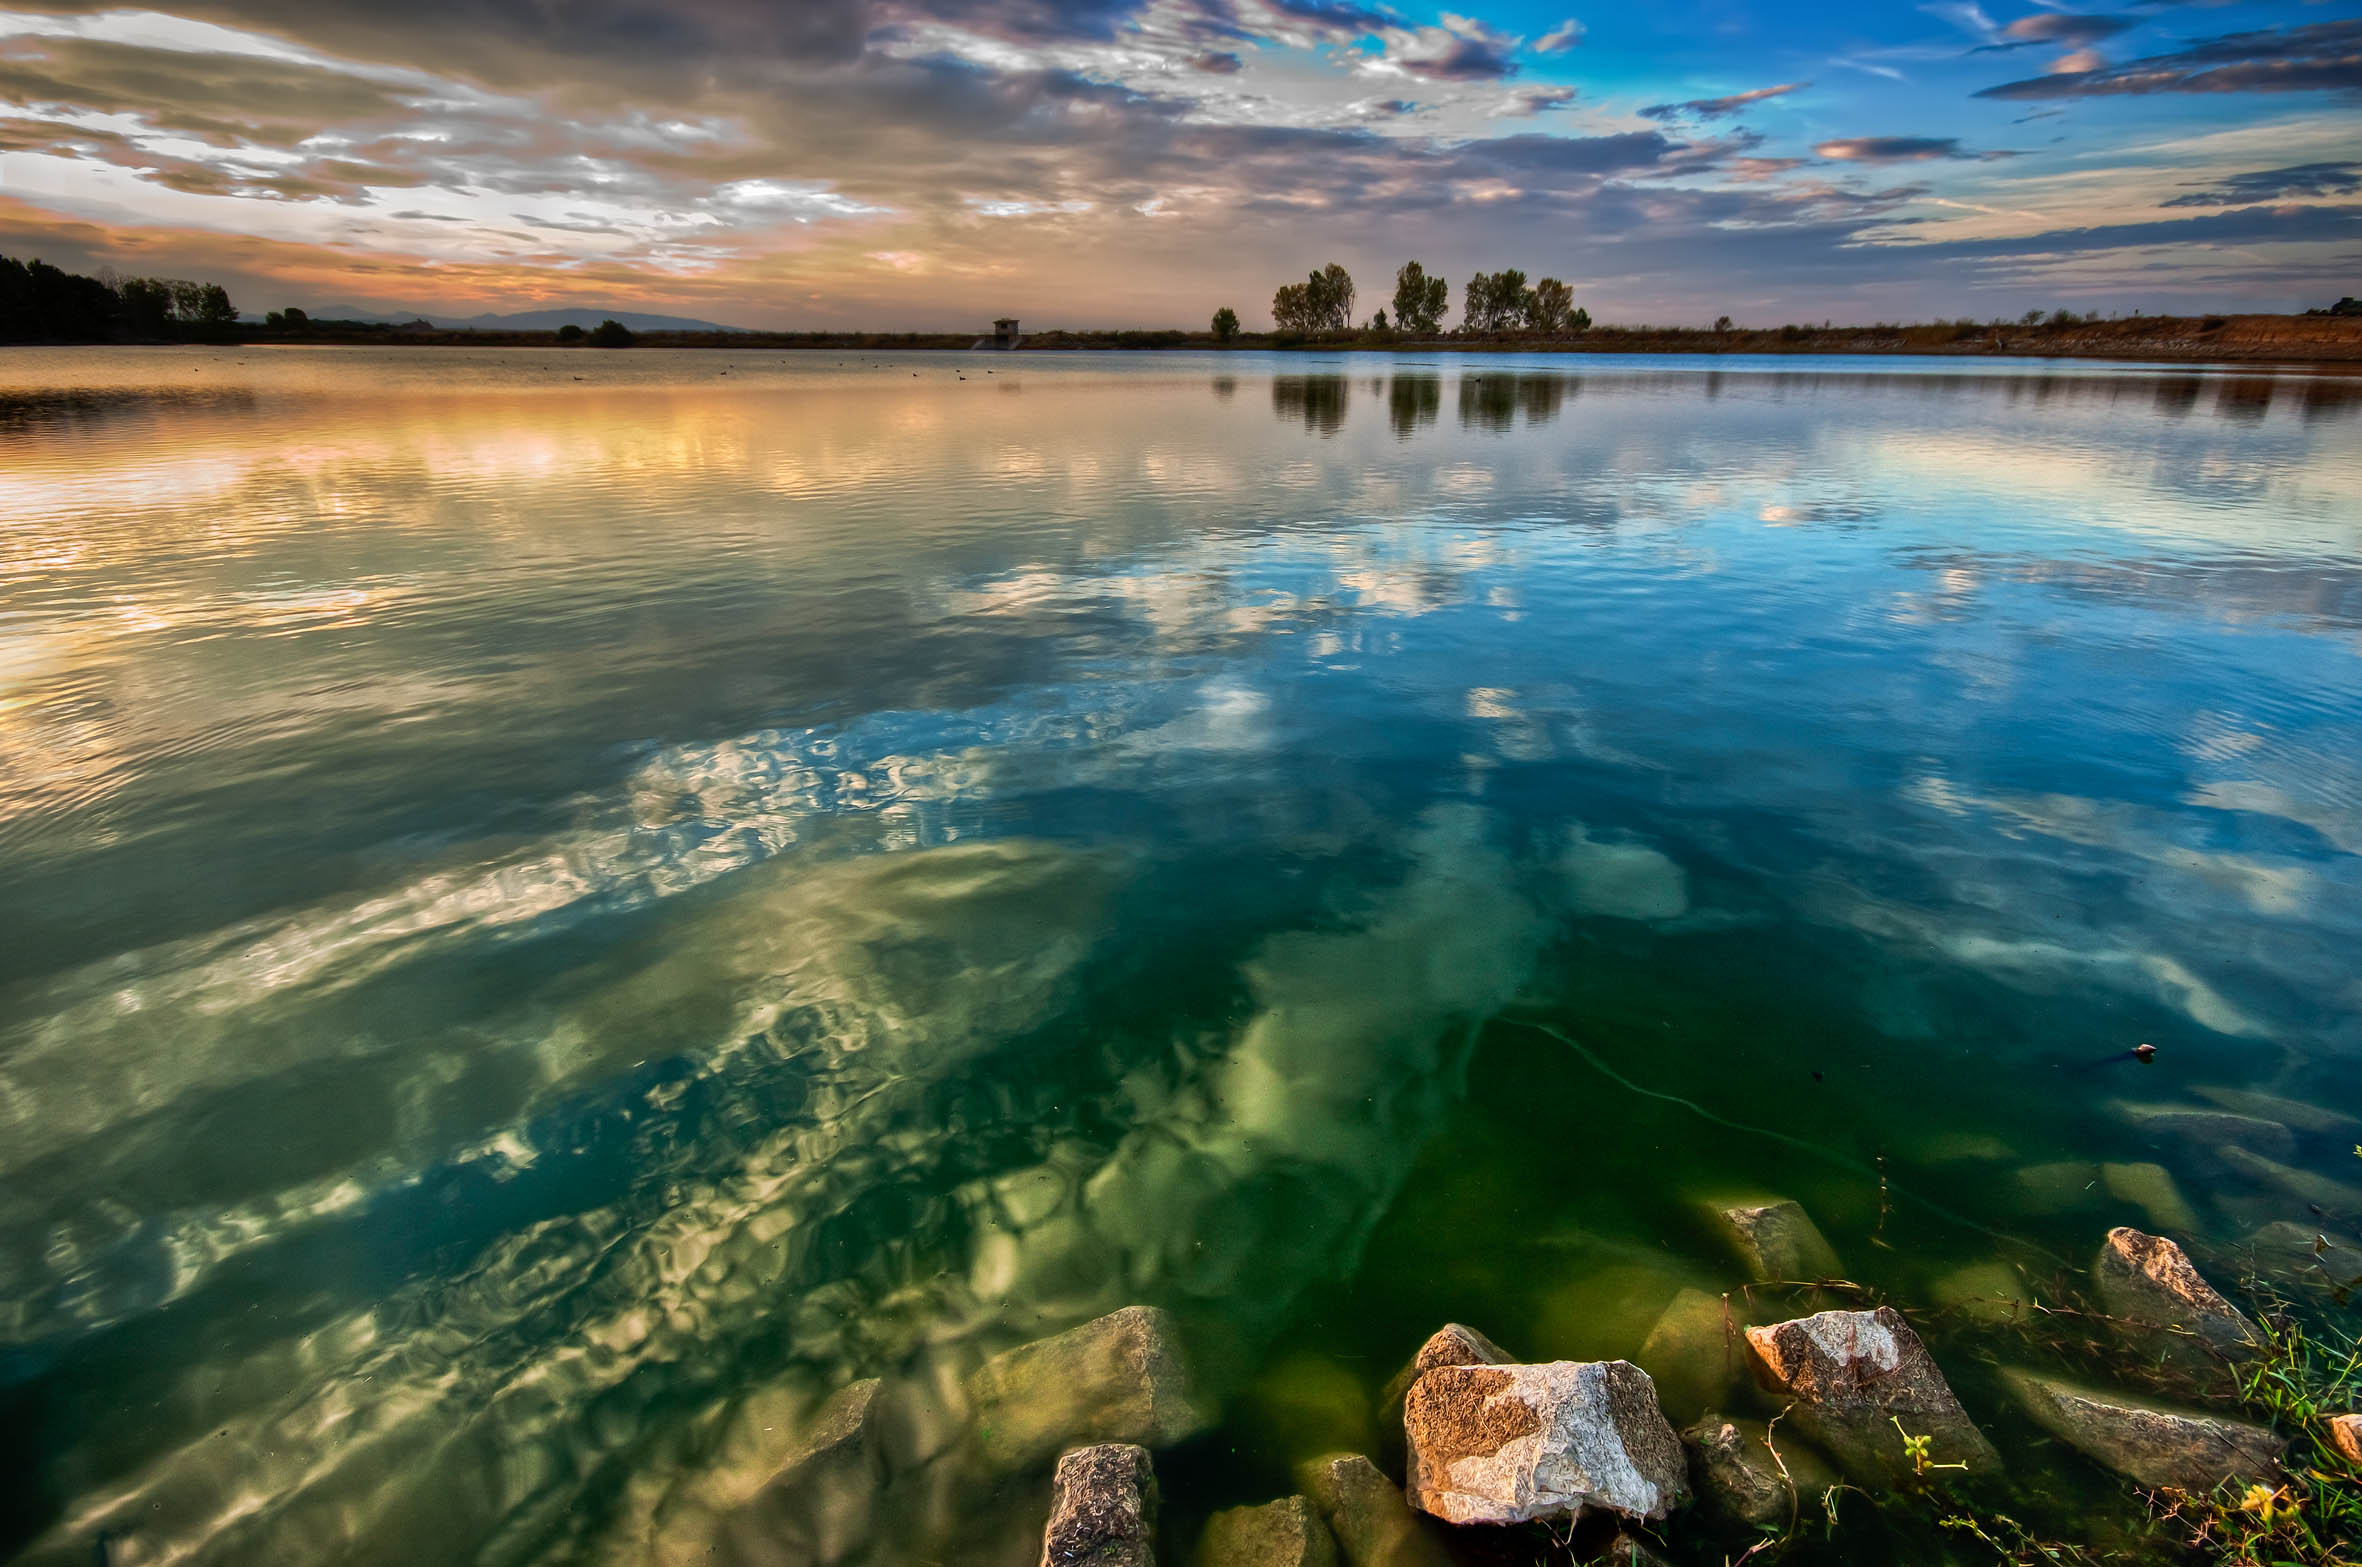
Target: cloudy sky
(922,163)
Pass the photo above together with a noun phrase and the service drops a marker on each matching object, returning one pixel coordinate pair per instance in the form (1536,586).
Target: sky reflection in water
(554,908)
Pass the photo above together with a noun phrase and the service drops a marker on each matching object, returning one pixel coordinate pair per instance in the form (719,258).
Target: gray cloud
(2323,56)
(2312,180)
(2297,225)
(1461,50)
(1718,108)
(1538,100)
(1890,149)
(1218,62)
(222,99)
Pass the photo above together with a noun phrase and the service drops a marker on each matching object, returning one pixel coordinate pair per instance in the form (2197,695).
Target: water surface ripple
(557,907)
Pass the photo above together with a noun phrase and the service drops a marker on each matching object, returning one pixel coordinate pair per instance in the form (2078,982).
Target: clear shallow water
(554,908)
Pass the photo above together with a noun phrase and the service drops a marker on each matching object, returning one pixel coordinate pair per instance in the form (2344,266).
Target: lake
(558,907)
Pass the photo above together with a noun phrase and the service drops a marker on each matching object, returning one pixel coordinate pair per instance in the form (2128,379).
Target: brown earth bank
(2287,339)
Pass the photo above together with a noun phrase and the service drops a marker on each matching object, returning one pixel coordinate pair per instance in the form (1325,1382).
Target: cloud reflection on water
(815,767)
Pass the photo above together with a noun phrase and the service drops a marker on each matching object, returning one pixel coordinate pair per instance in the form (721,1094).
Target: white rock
(1507,1444)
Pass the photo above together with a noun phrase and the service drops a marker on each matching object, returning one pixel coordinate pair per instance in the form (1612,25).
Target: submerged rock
(820,1505)
(2294,1113)
(1373,1525)
(1509,1444)
(2152,1444)
(1102,1509)
(1629,1550)
(1285,1533)
(1118,1378)
(2147,1281)
(1983,1291)
(2304,1185)
(2200,1129)
(2150,1188)
(1776,1242)
(1694,1354)
(1854,1375)
(1738,1479)
(2300,1251)
(2345,1434)
(2057,1188)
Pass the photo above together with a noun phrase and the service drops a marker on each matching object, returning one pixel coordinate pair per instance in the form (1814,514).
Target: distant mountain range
(526,320)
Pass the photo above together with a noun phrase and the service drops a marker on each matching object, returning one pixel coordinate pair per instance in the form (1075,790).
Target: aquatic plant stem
(1845,1161)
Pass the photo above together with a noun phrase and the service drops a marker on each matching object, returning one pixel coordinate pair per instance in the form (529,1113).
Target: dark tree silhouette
(1323,302)
(1547,306)
(1496,301)
(1419,300)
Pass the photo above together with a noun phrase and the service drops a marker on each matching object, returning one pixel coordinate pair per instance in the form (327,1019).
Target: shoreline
(2325,341)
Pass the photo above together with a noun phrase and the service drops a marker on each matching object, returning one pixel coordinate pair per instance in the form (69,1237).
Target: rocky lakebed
(1793,1411)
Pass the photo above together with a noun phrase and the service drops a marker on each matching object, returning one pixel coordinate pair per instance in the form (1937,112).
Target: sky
(929,164)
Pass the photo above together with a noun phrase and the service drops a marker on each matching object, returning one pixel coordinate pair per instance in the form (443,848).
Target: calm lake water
(556,907)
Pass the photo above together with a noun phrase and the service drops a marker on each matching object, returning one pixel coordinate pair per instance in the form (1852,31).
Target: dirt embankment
(2212,337)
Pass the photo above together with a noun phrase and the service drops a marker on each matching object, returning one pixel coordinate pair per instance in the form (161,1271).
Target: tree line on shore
(40,303)
(1493,304)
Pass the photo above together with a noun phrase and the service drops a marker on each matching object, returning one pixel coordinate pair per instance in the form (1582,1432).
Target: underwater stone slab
(1285,1533)
(1694,1354)
(820,1504)
(2149,1281)
(1982,1291)
(1738,1478)
(1365,1511)
(2345,1434)
(2057,1188)
(1511,1444)
(1853,1375)
(1102,1509)
(1776,1241)
(2150,1188)
(2294,1113)
(2302,1251)
(1117,1378)
(2303,1185)
(1734,1474)
(2150,1443)
(2202,1129)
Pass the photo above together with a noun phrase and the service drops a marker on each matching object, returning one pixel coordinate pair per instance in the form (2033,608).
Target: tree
(1225,324)
(1722,323)
(1496,302)
(1378,322)
(147,305)
(214,307)
(1323,302)
(1419,300)
(611,333)
(1291,309)
(1335,290)
(1580,321)
(570,333)
(1546,308)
